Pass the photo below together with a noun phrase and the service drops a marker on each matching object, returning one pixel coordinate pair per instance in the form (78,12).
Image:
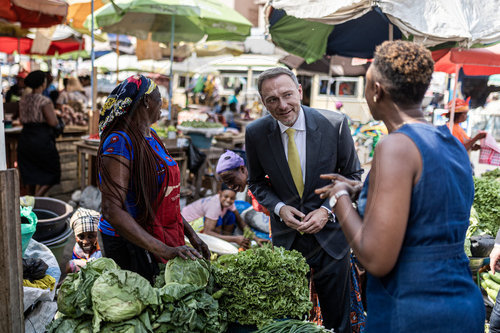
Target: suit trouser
(332,282)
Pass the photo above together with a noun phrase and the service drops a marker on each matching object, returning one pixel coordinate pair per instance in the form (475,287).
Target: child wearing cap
(84,224)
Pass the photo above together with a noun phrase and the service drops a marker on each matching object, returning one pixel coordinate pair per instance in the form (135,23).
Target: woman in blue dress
(413,209)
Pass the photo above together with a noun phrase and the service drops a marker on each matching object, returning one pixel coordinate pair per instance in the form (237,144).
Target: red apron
(168,226)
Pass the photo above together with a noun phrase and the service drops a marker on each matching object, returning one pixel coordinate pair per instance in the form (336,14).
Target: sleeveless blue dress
(430,289)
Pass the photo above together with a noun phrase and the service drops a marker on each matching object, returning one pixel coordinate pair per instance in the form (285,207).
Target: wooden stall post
(11,270)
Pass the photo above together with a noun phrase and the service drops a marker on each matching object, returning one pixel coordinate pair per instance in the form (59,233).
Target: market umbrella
(473,62)
(172,21)
(34,13)
(30,14)
(430,22)
(23,45)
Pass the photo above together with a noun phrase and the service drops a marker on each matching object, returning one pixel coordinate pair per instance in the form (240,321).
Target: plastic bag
(481,246)
(34,269)
(195,158)
(28,225)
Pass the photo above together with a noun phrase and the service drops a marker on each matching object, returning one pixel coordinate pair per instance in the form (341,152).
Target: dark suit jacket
(329,149)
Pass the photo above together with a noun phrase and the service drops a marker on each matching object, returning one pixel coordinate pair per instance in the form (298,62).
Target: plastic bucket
(58,243)
(53,215)
(200,140)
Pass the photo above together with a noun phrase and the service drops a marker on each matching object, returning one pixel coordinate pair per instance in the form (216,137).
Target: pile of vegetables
(487,201)
(201,124)
(491,284)
(262,284)
(103,298)
(292,326)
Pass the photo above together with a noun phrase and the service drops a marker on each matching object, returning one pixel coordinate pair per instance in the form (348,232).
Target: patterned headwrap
(84,220)
(123,98)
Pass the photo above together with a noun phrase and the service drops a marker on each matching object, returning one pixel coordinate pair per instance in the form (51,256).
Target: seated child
(84,224)
(220,216)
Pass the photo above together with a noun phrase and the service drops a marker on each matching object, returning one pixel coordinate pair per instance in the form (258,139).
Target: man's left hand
(314,221)
(199,245)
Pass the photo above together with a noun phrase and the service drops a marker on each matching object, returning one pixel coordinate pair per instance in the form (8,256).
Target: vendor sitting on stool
(84,224)
(217,216)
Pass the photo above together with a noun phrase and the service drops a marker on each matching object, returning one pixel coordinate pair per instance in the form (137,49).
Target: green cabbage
(74,298)
(66,324)
(193,272)
(119,295)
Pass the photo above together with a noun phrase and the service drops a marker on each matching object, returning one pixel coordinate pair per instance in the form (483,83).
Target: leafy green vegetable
(291,326)
(492,174)
(66,324)
(74,298)
(263,284)
(201,124)
(140,324)
(119,295)
(194,272)
(196,312)
(487,204)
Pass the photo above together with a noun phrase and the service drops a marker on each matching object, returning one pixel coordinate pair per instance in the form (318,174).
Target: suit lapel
(313,149)
(278,151)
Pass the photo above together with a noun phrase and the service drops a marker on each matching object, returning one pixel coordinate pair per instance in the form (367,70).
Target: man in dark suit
(293,146)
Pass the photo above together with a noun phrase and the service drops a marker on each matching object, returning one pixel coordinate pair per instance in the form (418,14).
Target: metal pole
(117,58)
(92,56)
(171,68)
(452,111)
(3,159)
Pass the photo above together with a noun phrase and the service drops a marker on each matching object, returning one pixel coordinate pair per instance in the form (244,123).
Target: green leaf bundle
(263,284)
(487,204)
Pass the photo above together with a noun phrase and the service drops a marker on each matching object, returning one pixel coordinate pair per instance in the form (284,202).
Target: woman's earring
(375,99)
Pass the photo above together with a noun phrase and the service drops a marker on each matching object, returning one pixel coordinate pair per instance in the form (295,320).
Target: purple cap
(339,104)
(228,161)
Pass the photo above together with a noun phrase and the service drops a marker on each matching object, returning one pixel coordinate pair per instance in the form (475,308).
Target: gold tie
(294,162)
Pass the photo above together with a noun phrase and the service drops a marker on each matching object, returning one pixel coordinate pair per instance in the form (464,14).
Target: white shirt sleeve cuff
(278,207)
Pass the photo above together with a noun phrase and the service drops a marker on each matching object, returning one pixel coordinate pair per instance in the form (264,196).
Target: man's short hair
(274,72)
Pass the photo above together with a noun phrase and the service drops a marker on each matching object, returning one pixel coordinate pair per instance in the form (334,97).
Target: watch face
(333,201)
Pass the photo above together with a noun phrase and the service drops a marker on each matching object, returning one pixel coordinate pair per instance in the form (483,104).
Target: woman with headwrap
(141,223)
(37,154)
(461,110)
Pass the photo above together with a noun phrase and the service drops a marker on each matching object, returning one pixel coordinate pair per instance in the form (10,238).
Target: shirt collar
(300,123)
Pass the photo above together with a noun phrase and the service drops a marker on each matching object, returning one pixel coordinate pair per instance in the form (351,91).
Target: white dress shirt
(300,142)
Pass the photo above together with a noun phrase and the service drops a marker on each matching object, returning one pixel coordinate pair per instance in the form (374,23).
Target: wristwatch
(336,196)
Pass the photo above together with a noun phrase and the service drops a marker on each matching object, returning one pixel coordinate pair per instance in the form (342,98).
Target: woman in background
(36,151)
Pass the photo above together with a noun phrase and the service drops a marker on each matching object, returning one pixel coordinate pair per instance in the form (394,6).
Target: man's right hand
(289,215)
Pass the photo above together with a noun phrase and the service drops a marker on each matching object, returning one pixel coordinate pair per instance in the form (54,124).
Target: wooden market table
(87,152)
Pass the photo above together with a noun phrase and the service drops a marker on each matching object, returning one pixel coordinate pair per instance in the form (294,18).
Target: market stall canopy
(79,10)
(24,45)
(430,22)
(128,63)
(331,65)
(256,62)
(312,40)
(474,62)
(34,13)
(193,20)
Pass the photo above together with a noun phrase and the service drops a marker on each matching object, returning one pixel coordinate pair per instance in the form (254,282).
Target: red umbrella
(23,45)
(34,13)
(474,62)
